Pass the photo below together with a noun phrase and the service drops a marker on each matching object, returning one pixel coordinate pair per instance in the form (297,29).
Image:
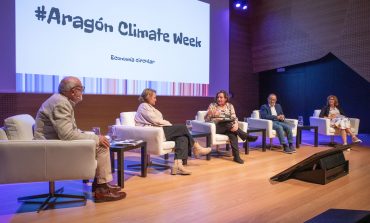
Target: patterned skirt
(340,123)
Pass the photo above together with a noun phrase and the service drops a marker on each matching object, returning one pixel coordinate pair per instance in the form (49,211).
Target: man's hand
(103,141)
(281,117)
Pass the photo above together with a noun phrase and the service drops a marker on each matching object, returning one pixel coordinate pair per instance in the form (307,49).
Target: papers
(128,142)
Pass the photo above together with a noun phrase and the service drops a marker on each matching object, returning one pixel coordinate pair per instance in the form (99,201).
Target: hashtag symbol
(40,13)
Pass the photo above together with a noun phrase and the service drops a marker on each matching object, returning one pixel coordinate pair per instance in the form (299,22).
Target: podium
(320,168)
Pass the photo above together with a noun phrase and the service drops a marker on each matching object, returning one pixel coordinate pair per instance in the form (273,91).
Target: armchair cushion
(19,127)
(200,116)
(127,118)
(46,160)
(256,114)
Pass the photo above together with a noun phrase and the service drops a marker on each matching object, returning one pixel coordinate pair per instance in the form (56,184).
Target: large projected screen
(114,46)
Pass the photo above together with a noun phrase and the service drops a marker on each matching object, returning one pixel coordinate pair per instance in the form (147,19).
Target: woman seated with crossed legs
(222,113)
(148,115)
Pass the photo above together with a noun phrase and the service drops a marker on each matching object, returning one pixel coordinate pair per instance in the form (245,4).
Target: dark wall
(303,88)
(288,32)
(243,82)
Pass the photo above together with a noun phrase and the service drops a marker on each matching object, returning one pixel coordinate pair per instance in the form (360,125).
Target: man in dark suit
(274,112)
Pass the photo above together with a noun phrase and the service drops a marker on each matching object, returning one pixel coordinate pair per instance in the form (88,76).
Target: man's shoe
(292,148)
(114,188)
(106,195)
(286,149)
(238,160)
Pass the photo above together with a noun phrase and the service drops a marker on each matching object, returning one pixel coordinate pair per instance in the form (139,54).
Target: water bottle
(300,120)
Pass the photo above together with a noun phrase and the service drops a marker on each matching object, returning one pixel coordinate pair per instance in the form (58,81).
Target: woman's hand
(331,116)
(235,127)
(213,112)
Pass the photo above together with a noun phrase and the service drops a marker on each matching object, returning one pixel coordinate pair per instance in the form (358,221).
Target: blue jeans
(281,128)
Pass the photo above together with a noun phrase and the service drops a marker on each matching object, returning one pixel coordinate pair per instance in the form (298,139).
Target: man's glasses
(80,88)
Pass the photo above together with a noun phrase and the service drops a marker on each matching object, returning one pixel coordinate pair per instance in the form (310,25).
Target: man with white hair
(274,112)
(55,120)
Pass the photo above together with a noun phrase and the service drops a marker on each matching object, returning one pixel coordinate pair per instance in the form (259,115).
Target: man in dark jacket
(274,112)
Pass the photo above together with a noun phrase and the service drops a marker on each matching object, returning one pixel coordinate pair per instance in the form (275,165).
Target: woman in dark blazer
(338,120)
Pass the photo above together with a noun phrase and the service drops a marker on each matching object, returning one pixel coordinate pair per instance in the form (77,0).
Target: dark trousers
(224,128)
(183,140)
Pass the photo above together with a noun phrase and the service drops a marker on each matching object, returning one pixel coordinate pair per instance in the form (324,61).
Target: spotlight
(241,4)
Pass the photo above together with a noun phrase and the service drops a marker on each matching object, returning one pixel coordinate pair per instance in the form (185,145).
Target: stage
(219,190)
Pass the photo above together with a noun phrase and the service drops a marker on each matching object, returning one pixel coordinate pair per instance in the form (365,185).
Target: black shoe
(292,148)
(246,137)
(286,149)
(105,195)
(252,138)
(238,160)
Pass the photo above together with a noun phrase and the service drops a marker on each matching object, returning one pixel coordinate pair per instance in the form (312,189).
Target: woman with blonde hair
(148,115)
(338,120)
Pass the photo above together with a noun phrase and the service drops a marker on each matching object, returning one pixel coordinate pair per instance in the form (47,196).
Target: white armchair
(255,121)
(325,128)
(154,136)
(199,125)
(23,159)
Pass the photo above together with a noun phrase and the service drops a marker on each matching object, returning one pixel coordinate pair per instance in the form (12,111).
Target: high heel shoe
(200,151)
(356,140)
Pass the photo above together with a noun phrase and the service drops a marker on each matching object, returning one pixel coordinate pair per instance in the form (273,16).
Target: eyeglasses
(80,88)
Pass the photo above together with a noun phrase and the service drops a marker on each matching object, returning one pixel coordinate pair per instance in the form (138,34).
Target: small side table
(120,149)
(308,127)
(263,131)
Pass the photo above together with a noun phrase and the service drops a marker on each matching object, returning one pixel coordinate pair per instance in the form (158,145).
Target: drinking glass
(188,124)
(300,120)
(96,130)
(112,133)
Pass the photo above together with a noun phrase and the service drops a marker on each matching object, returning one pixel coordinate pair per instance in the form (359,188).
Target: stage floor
(219,190)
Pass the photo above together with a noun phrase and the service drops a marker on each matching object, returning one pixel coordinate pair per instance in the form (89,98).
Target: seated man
(55,120)
(274,112)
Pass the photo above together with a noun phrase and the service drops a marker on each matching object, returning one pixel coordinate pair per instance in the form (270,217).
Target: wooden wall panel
(243,83)
(102,110)
(288,32)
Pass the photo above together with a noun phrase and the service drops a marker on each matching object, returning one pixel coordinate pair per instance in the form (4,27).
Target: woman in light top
(148,115)
(222,113)
(338,120)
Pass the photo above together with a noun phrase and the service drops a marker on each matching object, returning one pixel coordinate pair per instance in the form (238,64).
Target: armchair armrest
(322,123)
(243,126)
(154,136)
(294,125)
(261,124)
(355,124)
(208,127)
